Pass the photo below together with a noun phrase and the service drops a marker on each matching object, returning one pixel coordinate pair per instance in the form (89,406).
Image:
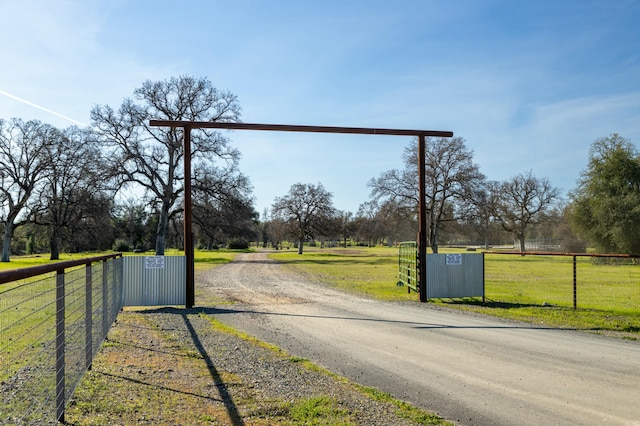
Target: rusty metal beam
(296,128)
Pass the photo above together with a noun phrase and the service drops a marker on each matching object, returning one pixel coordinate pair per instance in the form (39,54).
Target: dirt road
(470,370)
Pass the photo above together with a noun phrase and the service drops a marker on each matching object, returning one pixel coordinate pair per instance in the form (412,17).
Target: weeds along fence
(53,319)
(587,281)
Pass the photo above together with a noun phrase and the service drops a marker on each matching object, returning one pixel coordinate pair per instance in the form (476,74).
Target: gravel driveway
(468,369)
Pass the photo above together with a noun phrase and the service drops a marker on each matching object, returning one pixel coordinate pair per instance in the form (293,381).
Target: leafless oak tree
(522,202)
(451,176)
(24,162)
(71,195)
(151,157)
(307,209)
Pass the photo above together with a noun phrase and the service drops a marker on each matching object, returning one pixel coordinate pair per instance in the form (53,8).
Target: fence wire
(33,344)
(598,282)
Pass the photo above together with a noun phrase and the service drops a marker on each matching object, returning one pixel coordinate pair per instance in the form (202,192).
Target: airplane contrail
(24,101)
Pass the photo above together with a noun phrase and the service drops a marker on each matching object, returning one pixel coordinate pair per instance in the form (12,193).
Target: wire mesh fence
(51,325)
(598,282)
(602,282)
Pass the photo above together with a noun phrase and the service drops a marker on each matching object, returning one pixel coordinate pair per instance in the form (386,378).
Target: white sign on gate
(154,262)
(453,259)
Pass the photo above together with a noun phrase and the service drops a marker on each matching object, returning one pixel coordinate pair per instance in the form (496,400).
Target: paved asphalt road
(470,370)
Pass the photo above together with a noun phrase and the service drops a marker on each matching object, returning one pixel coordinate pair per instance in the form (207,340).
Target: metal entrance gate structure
(451,275)
(187,126)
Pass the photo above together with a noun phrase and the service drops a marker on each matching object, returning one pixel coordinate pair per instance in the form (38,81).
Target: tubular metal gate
(53,319)
(407,274)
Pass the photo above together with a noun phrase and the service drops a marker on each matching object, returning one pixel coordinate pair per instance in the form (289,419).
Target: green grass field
(369,271)
(536,289)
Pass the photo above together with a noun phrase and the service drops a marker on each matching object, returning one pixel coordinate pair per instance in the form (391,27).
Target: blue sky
(528,84)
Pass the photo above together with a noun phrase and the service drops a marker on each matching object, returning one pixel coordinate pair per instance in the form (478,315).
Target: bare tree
(307,209)
(151,157)
(367,228)
(71,195)
(522,202)
(480,208)
(24,162)
(451,177)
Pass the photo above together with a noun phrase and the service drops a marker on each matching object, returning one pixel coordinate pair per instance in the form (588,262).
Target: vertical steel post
(88,316)
(422,220)
(188,234)
(105,297)
(60,346)
(483,279)
(575,284)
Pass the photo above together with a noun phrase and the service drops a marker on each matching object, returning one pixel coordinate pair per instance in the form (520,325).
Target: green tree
(222,207)
(605,207)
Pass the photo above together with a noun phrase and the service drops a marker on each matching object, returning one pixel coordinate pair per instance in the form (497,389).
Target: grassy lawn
(535,289)
(369,271)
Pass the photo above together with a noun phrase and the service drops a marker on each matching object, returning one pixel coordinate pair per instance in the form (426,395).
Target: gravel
(269,374)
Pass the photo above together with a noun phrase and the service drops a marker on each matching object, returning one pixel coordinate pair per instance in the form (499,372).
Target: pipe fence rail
(53,319)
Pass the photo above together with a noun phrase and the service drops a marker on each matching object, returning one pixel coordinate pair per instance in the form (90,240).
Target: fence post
(88,317)
(105,297)
(483,279)
(114,294)
(575,284)
(60,349)
(119,262)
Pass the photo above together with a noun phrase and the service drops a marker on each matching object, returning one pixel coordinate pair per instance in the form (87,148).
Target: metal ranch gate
(154,280)
(453,275)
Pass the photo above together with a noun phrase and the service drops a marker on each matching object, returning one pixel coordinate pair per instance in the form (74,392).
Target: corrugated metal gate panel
(154,280)
(455,275)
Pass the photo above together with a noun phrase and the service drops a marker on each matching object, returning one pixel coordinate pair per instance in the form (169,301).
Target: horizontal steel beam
(296,128)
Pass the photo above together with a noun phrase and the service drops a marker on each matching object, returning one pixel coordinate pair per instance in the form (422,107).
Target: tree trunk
(522,245)
(161,233)
(434,240)
(6,242)
(301,243)
(54,244)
